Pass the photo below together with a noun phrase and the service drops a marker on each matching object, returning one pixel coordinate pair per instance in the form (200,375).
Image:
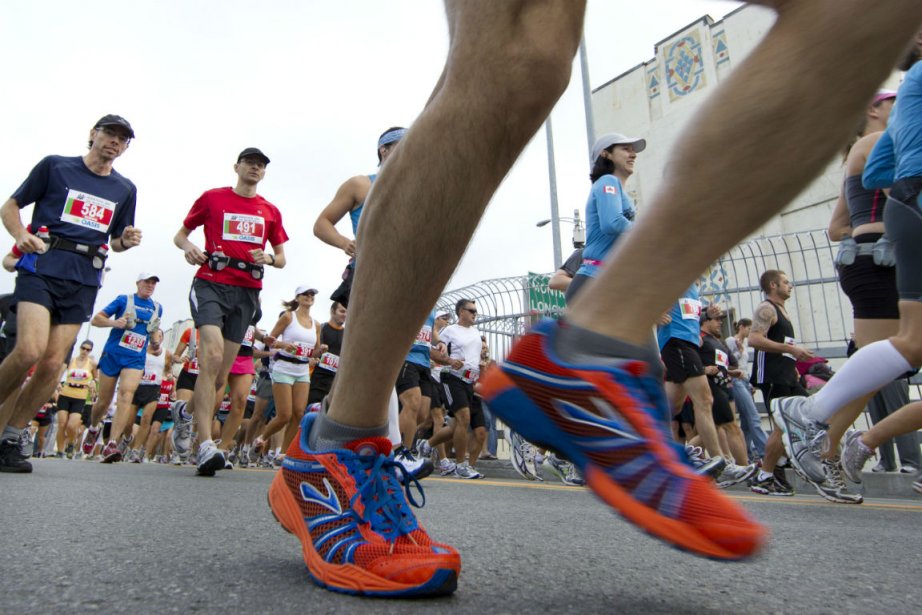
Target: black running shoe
(12,459)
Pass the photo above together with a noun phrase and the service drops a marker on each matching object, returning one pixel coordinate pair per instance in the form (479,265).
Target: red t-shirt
(238,224)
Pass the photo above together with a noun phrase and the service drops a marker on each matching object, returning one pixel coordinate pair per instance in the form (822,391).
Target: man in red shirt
(225,291)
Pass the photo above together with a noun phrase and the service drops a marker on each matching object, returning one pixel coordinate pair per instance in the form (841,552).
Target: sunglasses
(471,310)
(85,348)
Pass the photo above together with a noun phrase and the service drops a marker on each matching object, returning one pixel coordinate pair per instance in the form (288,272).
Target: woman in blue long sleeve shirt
(609,210)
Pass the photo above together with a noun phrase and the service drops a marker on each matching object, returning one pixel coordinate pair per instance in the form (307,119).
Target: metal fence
(821,314)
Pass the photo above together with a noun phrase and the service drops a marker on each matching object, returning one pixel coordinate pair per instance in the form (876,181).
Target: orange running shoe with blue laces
(609,419)
(351,513)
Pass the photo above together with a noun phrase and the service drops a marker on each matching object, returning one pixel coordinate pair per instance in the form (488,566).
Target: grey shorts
(264,387)
(230,308)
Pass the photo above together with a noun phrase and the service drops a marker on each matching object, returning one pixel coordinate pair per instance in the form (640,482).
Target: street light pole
(587,93)
(552,174)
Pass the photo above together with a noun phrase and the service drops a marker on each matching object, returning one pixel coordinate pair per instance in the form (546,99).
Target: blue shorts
(164,427)
(112,363)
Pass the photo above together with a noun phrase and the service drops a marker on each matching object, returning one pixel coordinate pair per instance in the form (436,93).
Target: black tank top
(864,206)
(774,367)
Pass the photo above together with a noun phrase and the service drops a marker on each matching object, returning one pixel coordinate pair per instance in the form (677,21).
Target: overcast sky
(311,83)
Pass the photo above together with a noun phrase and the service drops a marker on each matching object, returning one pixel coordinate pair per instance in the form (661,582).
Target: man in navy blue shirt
(86,207)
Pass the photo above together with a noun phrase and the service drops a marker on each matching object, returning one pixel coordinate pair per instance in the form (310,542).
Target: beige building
(655,99)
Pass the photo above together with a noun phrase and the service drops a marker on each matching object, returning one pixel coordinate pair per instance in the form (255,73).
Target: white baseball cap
(616,138)
(305,290)
(145,275)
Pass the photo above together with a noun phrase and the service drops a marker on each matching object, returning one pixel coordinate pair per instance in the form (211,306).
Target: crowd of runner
(352,421)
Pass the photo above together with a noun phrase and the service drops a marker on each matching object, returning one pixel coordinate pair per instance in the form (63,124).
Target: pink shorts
(242,366)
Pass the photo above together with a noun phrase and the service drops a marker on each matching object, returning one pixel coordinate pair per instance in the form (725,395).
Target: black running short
(230,308)
(414,376)
(321,383)
(458,394)
(248,410)
(106,431)
(162,415)
(437,400)
(186,381)
(477,417)
(71,405)
(871,288)
(721,410)
(145,394)
(70,303)
(682,361)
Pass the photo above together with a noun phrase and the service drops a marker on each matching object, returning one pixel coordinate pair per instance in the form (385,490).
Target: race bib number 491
(241,227)
(88,211)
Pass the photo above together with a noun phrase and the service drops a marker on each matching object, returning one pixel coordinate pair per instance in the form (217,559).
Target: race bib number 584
(88,211)
(241,227)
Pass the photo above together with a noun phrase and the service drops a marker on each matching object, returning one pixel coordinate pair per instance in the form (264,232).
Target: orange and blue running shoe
(351,513)
(608,419)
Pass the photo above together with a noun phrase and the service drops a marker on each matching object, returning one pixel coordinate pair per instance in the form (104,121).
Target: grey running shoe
(417,467)
(182,429)
(801,436)
(210,460)
(423,448)
(518,449)
(711,467)
(447,467)
(564,470)
(854,455)
(463,470)
(175,459)
(11,458)
(134,456)
(834,488)
(733,474)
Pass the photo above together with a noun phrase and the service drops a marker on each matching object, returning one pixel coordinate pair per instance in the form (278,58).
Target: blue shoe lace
(384,497)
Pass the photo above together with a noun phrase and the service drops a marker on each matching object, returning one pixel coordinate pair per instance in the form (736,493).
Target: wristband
(272,256)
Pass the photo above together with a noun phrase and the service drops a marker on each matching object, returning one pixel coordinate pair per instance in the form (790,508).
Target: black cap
(115,120)
(253,152)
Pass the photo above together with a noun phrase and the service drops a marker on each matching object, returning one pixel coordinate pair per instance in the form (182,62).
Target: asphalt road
(80,537)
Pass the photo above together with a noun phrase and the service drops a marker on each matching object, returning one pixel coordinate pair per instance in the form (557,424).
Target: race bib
(250,335)
(301,350)
(225,406)
(149,378)
(790,341)
(193,366)
(243,227)
(88,211)
(689,308)
(132,341)
(78,374)
(424,337)
(329,361)
(470,375)
(721,359)
(164,400)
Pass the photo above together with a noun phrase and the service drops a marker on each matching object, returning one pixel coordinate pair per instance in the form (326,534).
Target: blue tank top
(419,352)
(356,213)
(685,314)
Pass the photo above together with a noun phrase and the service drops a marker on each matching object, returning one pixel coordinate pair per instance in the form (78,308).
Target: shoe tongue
(370,446)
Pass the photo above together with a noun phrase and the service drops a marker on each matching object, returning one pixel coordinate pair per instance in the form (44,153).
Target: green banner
(541,299)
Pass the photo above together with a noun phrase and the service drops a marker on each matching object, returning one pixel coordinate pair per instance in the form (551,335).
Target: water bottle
(218,259)
(101,254)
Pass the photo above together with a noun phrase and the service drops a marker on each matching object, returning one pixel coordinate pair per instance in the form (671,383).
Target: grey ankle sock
(577,345)
(327,434)
(10,433)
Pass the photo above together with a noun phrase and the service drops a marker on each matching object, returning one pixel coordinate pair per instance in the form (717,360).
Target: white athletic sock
(869,369)
(763,475)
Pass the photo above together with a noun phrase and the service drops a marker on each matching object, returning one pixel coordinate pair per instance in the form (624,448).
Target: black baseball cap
(253,152)
(115,120)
